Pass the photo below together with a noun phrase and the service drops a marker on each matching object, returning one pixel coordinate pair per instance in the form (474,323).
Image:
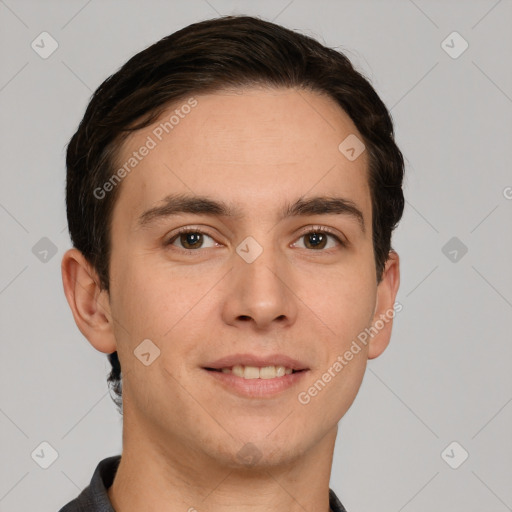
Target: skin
(256,149)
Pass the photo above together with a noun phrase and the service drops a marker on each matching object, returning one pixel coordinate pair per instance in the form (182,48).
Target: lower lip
(257,388)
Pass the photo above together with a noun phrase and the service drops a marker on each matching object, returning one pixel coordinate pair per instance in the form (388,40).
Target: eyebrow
(176,204)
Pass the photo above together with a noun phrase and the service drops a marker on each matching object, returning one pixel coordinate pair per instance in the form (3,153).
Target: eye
(190,239)
(317,238)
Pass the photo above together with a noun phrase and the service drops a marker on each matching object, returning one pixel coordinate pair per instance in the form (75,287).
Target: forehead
(251,148)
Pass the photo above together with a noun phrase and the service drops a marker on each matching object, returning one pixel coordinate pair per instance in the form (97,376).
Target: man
(231,195)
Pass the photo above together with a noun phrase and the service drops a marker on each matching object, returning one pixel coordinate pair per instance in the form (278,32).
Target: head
(248,115)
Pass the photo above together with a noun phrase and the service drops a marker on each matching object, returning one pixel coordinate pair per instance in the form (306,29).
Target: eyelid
(323,229)
(169,239)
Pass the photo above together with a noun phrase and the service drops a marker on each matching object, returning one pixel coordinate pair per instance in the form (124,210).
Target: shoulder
(334,503)
(94,498)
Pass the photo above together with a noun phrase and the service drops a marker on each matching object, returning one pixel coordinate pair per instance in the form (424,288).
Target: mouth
(254,376)
(255,372)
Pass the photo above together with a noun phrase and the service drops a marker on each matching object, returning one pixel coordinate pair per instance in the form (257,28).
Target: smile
(256,382)
(255,372)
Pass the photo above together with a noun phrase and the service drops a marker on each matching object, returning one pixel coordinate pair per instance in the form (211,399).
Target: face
(248,286)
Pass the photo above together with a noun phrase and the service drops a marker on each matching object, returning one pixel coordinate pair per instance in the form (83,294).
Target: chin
(260,452)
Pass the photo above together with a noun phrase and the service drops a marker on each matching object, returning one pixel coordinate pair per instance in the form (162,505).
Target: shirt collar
(94,498)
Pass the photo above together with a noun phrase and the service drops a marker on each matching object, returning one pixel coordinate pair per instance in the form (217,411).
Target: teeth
(268,372)
(253,372)
(238,370)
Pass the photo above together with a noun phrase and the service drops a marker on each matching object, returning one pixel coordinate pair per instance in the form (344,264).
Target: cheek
(141,300)
(343,300)
(345,309)
(153,301)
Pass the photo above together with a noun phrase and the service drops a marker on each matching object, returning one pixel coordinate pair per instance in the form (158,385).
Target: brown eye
(190,239)
(318,238)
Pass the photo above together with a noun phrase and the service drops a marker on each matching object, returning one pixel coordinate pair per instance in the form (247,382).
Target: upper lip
(256,360)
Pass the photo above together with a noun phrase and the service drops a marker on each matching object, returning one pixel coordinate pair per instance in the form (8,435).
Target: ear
(88,302)
(384,309)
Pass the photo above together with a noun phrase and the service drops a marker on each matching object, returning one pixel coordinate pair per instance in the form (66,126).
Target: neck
(170,476)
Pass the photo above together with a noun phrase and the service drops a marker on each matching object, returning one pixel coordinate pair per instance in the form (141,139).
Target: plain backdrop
(446,376)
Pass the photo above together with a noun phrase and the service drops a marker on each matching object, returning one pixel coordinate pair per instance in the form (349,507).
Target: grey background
(446,374)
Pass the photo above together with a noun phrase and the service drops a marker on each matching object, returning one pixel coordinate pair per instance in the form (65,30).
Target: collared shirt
(94,497)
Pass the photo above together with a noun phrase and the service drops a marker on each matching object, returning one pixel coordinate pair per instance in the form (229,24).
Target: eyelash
(311,230)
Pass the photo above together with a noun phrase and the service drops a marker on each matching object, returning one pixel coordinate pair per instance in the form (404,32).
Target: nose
(260,293)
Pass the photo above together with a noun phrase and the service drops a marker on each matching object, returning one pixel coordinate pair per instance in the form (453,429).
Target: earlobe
(88,302)
(387,290)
